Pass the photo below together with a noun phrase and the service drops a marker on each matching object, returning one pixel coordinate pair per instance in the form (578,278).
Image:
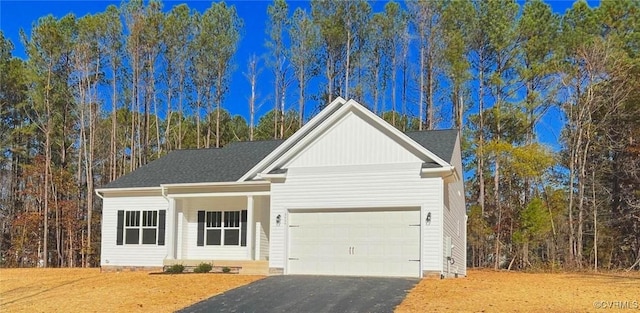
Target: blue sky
(16,15)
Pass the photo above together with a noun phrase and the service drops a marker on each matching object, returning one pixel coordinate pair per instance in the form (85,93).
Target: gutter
(215,184)
(449,170)
(128,189)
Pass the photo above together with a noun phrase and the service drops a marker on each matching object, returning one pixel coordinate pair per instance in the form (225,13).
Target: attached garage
(366,242)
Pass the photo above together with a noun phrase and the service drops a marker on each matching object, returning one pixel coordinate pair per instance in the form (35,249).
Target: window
(232,228)
(141,227)
(222,228)
(149,227)
(214,228)
(132,227)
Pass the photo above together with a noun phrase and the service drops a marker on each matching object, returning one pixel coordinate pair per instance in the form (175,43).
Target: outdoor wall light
(278,219)
(428,218)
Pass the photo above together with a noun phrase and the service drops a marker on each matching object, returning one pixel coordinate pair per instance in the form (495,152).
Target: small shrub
(226,270)
(175,269)
(203,268)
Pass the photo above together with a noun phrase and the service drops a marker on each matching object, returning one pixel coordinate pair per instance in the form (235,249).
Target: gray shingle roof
(199,165)
(229,163)
(440,142)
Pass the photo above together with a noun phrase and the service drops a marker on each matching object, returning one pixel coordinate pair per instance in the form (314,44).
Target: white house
(348,194)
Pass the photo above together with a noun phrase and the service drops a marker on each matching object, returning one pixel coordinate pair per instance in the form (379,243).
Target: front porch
(223,225)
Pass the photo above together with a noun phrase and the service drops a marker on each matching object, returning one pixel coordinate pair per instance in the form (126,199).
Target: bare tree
(252,73)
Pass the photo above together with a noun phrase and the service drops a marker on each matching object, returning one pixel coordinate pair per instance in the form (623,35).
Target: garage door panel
(374,243)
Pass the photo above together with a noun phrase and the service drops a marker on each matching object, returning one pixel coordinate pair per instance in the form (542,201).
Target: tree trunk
(330,77)
(301,99)
(114,122)
(430,115)
(595,221)
(481,142)
(346,74)
(393,90)
(276,106)
(421,104)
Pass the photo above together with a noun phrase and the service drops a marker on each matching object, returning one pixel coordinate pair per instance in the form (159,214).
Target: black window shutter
(161,223)
(200,228)
(243,227)
(120,229)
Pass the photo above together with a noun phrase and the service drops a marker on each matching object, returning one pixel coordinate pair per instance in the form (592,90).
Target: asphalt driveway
(311,294)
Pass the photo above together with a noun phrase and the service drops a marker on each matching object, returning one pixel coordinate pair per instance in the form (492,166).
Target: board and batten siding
(141,255)
(358,187)
(455,225)
(351,141)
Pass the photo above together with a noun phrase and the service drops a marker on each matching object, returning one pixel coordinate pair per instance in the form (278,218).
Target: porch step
(248,267)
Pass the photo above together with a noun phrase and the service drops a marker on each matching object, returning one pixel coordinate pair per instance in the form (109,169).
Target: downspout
(101,221)
(163,192)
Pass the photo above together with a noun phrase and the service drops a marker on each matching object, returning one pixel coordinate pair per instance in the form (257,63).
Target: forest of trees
(100,95)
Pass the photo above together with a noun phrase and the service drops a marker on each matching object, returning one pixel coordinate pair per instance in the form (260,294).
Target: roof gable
(286,152)
(352,140)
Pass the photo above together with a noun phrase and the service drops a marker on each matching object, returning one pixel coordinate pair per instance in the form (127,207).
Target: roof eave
(217,184)
(129,189)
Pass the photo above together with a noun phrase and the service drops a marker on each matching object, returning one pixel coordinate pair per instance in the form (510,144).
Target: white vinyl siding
(130,254)
(261,219)
(344,187)
(455,220)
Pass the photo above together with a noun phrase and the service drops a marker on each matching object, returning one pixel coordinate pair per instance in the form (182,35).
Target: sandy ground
(88,290)
(491,291)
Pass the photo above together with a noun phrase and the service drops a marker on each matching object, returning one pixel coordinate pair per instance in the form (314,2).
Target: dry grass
(88,290)
(491,291)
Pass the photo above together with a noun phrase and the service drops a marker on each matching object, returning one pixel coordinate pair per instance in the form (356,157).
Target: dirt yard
(88,290)
(491,291)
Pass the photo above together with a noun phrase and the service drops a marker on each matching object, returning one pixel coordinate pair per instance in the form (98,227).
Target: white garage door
(369,243)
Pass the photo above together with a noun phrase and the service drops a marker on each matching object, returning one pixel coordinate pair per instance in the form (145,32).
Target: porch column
(249,227)
(170,230)
(179,230)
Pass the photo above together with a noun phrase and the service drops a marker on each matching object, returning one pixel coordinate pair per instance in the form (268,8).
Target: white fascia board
(128,189)
(217,184)
(101,192)
(219,194)
(301,133)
